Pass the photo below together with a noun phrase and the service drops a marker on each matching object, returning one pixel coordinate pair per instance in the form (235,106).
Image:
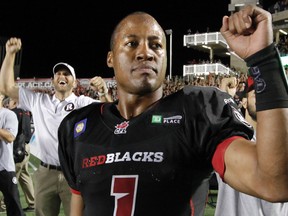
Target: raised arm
(261,168)
(229,85)
(98,84)
(7,79)
(248,31)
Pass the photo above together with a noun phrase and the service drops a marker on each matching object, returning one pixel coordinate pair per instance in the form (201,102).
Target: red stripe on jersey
(218,157)
(192,207)
(75,191)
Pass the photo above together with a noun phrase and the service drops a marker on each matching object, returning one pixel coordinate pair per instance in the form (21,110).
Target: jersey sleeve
(218,157)
(215,117)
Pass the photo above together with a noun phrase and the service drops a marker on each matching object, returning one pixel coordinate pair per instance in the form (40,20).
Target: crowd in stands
(170,85)
(280,5)
(204,61)
(282,45)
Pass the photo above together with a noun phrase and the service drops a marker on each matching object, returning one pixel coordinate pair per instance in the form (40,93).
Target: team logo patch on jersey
(80,127)
(156,119)
(159,119)
(69,107)
(121,128)
(172,120)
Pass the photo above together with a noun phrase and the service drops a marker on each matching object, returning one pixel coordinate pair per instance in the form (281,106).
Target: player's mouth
(144,68)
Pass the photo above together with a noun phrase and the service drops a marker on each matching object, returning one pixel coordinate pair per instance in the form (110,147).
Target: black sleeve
(215,118)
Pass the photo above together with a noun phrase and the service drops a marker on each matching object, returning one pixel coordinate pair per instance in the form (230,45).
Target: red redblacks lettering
(93,161)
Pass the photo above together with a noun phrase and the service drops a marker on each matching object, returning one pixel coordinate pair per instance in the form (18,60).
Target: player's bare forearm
(77,205)
(261,168)
(272,147)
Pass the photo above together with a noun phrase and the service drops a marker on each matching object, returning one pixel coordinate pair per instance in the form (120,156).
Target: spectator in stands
(232,202)
(149,154)
(285,4)
(8,180)
(51,188)
(240,94)
(22,169)
(277,7)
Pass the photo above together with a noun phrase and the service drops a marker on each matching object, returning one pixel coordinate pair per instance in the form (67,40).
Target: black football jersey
(152,163)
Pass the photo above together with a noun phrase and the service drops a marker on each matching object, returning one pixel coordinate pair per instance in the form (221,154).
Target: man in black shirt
(147,154)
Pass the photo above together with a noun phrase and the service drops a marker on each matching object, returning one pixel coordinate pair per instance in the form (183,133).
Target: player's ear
(110,59)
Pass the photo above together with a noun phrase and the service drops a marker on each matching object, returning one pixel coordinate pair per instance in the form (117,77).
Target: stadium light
(169,32)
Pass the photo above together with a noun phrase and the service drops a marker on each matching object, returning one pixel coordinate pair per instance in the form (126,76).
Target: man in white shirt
(8,180)
(51,188)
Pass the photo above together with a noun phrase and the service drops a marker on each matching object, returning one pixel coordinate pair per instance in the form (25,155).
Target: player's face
(139,55)
(63,81)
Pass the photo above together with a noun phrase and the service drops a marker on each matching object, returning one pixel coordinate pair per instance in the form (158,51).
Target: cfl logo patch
(121,128)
